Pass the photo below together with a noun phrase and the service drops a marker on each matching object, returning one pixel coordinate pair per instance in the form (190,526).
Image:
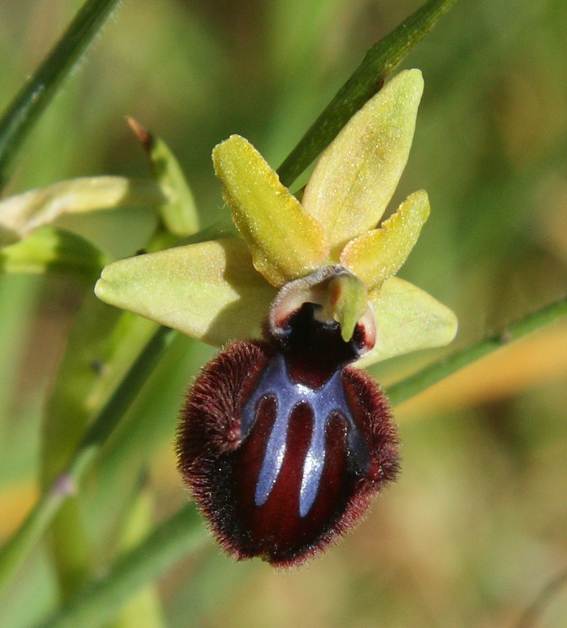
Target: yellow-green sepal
(357,175)
(207,290)
(380,253)
(407,319)
(285,241)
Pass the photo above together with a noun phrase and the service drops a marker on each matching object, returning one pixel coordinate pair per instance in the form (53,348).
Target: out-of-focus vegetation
(477,524)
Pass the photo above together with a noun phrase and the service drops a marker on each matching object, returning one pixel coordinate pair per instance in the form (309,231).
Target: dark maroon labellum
(283,444)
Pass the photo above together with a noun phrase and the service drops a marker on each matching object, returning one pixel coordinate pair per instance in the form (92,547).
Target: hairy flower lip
(283,444)
(284,512)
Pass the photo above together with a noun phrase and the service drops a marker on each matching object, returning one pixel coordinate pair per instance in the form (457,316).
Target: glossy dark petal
(282,454)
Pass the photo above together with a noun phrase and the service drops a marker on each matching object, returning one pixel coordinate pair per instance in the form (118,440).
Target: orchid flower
(283,439)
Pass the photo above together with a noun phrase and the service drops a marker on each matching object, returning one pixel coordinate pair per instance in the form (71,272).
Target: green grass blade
(366,80)
(181,534)
(173,539)
(36,94)
(102,345)
(19,545)
(144,608)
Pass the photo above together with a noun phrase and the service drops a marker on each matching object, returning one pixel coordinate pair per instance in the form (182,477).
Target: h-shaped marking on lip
(324,401)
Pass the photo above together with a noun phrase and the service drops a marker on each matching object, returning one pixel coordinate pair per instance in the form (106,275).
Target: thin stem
(17,548)
(151,559)
(36,94)
(367,79)
(144,608)
(172,540)
(433,373)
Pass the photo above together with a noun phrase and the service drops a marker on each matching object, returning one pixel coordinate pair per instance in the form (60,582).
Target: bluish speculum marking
(324,402)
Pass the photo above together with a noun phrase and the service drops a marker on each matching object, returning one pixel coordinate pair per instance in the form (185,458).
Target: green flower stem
(36,94)
(173,539)
(378,63)
(433,373)
(65,485)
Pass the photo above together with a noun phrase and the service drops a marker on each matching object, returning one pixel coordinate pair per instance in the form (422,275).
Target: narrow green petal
(285,241)
(21,214)
(358,173)
(207,290)
(407,319)
(380,253)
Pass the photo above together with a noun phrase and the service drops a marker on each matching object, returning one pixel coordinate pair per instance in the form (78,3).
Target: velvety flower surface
(281,451)
(282,438)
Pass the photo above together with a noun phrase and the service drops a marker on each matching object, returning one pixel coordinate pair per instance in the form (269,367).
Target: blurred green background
(477,524)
